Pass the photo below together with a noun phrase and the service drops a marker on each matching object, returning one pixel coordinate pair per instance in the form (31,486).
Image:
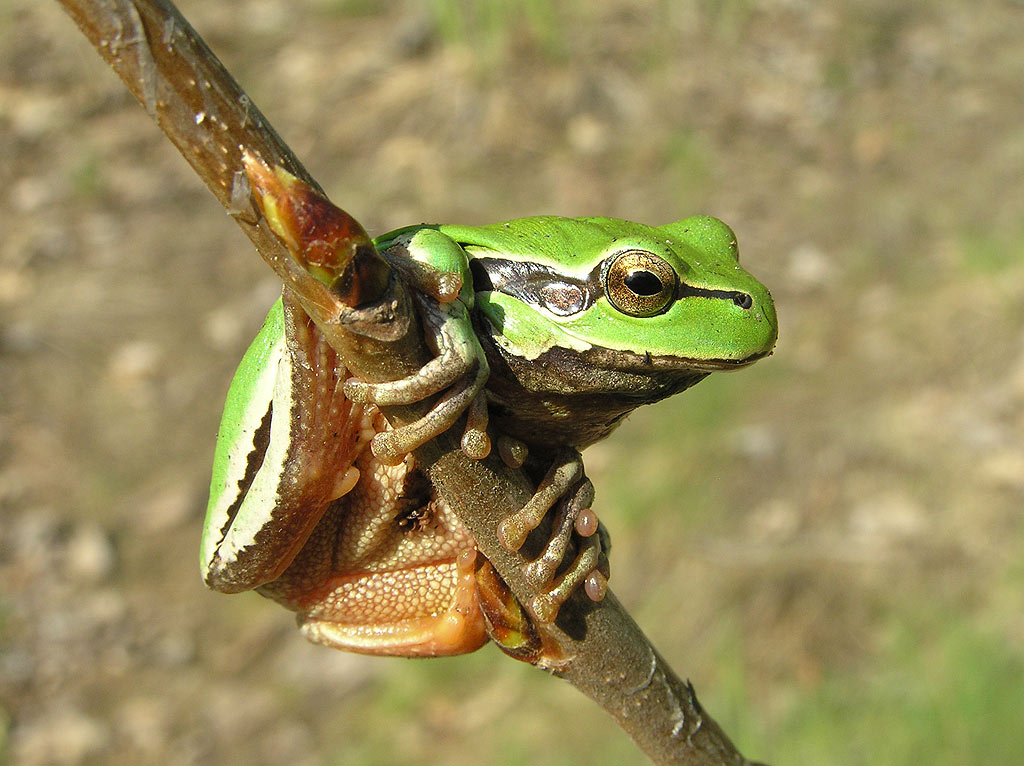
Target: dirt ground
(830,544)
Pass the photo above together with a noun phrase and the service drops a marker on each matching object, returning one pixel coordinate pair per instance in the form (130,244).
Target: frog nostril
(743,300)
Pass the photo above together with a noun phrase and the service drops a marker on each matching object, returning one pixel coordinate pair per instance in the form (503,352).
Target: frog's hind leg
(395,623)
(388,570)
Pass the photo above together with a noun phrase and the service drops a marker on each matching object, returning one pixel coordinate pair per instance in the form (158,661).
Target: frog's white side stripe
(263,496)
(220,514)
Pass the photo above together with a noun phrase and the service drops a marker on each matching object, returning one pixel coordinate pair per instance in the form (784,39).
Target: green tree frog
(551,331)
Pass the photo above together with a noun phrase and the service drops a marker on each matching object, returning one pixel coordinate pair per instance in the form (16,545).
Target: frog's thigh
(429,610)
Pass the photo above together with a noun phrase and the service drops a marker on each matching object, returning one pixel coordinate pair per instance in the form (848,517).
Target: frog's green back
(562,243)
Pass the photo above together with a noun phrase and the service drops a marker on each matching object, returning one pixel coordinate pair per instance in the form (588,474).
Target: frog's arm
(439,270)
(436,267)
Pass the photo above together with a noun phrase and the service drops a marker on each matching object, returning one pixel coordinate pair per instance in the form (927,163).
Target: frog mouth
(632,361)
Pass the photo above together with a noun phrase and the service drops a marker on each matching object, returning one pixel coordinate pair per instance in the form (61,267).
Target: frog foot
(457,629)
(459,369)
(567,486)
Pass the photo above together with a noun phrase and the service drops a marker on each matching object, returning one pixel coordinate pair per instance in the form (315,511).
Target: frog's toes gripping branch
(567,486)
(459,369)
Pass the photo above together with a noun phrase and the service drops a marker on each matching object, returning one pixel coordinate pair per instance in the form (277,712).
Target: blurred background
(829,544)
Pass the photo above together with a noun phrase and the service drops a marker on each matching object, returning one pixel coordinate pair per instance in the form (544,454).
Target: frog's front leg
(444,297)
(459,367)
(566,488)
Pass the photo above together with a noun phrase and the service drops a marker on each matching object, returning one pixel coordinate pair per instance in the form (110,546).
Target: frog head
(595,316)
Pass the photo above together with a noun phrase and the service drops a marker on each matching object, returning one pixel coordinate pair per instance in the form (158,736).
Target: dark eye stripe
(534,284)
(743,300)
(538,285)
(254,460)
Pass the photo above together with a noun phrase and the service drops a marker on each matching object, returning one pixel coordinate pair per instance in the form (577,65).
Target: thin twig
(208,117)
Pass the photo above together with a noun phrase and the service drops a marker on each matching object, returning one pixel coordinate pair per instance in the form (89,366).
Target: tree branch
(210,119)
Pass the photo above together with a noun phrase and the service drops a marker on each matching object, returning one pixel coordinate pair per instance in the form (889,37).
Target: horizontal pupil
(643,283)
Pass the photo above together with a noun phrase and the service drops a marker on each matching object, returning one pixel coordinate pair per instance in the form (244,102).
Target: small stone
(175,650)
(809,268)
(31,193)
(63,736)
(169,508)
(14,286)
(774,521)
(887,518)
(17,666)
(19,337)
(90,555)
(33,537)
(1004,468)
(871,145)
(145,721)
(586,134)
(133,365)
(222,328)
(757,442)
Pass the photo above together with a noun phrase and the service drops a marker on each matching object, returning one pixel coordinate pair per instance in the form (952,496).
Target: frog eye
(640,283)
